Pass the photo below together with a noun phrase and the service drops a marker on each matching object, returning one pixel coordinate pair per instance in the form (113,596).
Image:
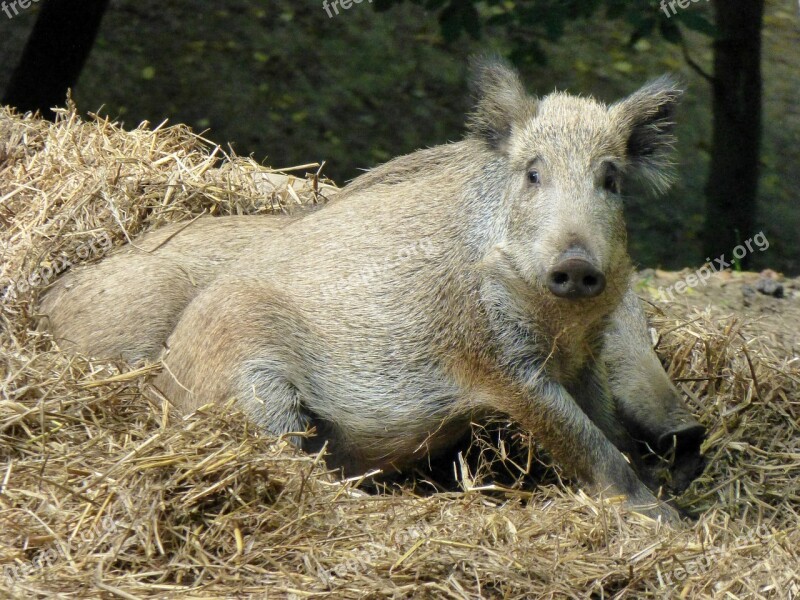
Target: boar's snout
(575,276)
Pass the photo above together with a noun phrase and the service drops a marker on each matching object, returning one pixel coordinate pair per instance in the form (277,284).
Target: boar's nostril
(560,278)
(594,284)
(575,278)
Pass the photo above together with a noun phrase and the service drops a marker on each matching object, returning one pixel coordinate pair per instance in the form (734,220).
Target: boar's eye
(611,181)
(534,177)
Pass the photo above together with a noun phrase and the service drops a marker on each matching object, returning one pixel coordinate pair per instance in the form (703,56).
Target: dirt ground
(733,293)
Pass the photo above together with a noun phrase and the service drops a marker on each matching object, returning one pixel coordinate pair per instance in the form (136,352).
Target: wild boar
(486,275)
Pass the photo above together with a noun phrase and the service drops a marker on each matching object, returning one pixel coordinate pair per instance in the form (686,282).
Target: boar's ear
(500,101)
(647,119)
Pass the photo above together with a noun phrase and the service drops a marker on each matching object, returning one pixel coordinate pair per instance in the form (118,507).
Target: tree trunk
(733,179)
(54,54)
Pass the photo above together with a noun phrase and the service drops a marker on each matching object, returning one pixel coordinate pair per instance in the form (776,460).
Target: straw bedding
(106,493)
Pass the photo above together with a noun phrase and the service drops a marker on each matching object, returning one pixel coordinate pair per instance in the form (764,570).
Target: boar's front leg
(592,394)
(648,404)
(553,416)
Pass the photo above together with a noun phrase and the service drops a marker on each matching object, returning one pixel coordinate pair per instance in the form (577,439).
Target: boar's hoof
(681,446)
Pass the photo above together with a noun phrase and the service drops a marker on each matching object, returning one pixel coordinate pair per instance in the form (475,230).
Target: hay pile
(103,494)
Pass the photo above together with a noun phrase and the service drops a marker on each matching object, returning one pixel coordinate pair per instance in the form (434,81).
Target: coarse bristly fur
(417,298)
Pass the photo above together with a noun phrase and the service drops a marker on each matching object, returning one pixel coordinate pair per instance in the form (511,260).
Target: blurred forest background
(283,81)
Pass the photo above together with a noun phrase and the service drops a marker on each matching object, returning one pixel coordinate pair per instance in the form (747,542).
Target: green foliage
(531,23)
(281,80)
